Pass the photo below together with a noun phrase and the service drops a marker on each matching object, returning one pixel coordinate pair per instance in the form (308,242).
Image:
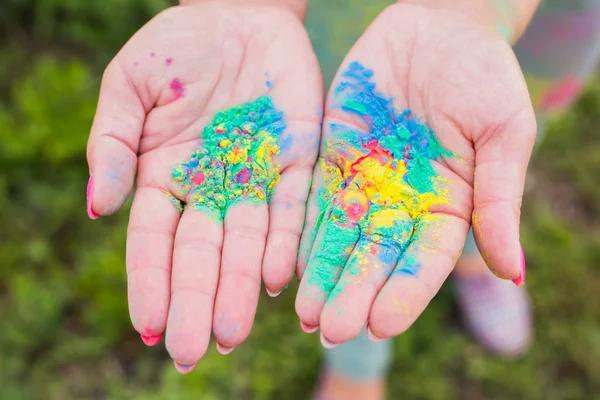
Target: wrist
(509,18)
(296,7)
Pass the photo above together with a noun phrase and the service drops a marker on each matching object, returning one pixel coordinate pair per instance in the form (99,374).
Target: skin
(336,387)
(503,16)
(463,79)
(188,274)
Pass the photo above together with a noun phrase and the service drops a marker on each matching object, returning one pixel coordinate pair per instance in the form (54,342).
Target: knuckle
(199,246)
(250,233)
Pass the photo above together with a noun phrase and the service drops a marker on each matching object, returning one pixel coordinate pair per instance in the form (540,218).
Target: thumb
(114,142)
(500,169)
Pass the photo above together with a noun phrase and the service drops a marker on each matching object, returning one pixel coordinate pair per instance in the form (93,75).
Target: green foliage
(98,28)
(65,327)
(52,109)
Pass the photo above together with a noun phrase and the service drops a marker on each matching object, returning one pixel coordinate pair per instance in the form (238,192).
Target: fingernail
(308,328)
(182,368)
(224,349)
(372,336)
(90,190)
(151,340)
(327,344)
(520,281)
(273,294)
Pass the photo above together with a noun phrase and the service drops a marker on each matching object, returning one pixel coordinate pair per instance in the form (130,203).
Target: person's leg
(558,53)
(355,370)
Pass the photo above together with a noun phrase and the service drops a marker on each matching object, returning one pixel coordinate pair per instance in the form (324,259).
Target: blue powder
(389,254)
(410,267)
(269,83)
(285,142)
(392,129)
(407,139)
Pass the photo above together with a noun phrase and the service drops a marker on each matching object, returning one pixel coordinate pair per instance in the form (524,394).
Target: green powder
(378,184)
(237,160)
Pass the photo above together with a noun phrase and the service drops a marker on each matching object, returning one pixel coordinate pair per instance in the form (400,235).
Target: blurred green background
(64,325)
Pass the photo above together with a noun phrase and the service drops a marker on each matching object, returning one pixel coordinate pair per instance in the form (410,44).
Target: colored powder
(378,184)
(410,267)
(176,202)
(269,83)
(169,60)
(505,31)
(285,142)
(506,11)
(177,88)
(237,160)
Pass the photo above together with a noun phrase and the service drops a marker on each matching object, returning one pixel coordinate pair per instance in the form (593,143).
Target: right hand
(393,210)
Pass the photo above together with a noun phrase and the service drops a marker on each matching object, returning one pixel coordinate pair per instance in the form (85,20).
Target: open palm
(428,128)
(199,271)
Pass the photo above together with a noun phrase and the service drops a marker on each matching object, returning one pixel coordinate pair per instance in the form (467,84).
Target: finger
(499,180)
(196,258)
(369,266)
(311,224)
(239,284)
(334,244)
(152,225)
(114,142)
(425,265)
(286,217)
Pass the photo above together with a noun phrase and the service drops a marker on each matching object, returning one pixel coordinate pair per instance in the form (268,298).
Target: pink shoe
(497,312)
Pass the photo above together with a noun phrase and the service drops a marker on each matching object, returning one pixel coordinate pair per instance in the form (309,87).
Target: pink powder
(198,179)
(243,176)
(177,88)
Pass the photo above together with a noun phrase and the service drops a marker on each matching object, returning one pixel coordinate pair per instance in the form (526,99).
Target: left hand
(198,272)
(393,207)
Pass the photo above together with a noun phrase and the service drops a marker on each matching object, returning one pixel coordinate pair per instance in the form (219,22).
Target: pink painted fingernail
(273,294)
(372,336)
(327,344)
(224,349)
(520,281)
(151,340)
(90,190)
(183,368)
(308,328)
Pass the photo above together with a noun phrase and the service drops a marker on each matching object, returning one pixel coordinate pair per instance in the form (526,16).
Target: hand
(428,127)
(158,94)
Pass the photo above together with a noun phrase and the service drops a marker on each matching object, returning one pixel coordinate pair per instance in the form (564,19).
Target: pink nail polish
(224,349)
(273,294)
(372,336)
(327,344)
(520,281)
(151,340)
(308,328)
(90,191)
(183,368)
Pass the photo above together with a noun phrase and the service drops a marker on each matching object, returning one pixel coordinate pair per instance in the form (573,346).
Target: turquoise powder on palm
(378,183)
(237,160)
